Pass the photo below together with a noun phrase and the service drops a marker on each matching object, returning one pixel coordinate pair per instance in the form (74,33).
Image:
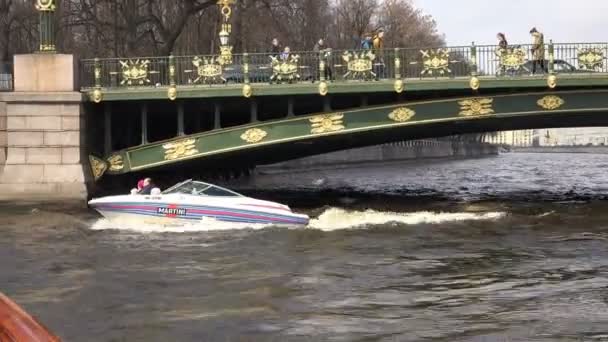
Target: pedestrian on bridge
(378,45)
(538,50)
(503,48)
(275,49)
(324,54)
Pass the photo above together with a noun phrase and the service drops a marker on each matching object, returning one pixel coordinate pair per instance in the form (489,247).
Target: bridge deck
(339,72)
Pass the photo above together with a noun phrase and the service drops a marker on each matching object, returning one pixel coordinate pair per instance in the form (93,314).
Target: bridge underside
(294,136)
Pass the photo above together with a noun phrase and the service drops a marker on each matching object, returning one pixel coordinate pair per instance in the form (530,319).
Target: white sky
(464,21)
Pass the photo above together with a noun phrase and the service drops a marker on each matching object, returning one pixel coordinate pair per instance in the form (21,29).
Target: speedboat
(192,201)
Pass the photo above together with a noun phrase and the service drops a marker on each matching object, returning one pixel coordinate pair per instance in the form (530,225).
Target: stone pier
(41,131)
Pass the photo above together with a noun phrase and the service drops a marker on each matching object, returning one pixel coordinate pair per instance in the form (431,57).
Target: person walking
(538,50)
(502,50)
(323,53)
(378,48)
(275,48)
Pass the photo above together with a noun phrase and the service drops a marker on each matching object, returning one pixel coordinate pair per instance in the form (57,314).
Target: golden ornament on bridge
(476,107)
(474,83)
(402,114)
(590,58)
(254,135)
(116,163)
(435,61)
(208,70)
(97,96)
(180,149)
(98,167)
(359,65)
(285,70)
(135,72)
(326,123)
(247,90)
(552,81)
(323,88)
(398,86)
(551,102)
(512,58)
(172,93)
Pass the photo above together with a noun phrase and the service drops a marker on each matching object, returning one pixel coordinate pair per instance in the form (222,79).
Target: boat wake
(337,219)
(330,220)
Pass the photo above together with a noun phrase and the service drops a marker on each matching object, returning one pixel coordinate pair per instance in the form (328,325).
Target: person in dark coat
(275,48)
(503,47)
(148,186)
(322,51)
(502,41)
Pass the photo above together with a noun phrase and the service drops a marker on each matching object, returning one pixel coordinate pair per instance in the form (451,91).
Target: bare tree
(126,28)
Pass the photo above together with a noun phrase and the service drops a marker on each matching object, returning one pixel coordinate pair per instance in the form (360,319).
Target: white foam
(197,226)
(335,218)
(330,220)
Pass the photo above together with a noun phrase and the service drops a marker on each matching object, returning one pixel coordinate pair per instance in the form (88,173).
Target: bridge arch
(294,137)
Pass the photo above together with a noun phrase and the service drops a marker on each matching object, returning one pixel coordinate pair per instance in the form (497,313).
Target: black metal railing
(6,76)
(343,66)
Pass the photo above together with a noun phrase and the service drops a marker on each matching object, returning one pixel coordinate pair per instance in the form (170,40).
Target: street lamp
(47,31)
(225,48)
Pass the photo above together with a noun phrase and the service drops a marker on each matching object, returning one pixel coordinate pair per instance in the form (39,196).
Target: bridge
(260,109)
(242,110)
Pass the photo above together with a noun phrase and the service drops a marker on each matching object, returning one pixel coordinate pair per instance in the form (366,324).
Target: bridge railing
(6,76)
(342,65)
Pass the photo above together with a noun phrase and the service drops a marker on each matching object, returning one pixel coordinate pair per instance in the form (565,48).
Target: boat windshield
(200,189)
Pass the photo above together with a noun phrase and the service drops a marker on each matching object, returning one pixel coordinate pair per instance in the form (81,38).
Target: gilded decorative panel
(435,61)
(512,58)
(551,102)
(207,70)
(327,123)
(98,167)
(180,149)
(135,72)
(402,114)
(116,163)
(359,65)
(254,135)
(590,58)
(285,69)
(476,107)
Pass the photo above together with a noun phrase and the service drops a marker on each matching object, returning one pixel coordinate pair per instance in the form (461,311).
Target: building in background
(594,136)
(521,138)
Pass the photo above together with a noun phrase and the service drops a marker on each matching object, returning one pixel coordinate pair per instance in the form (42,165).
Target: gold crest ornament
(254,135)
(402,114)
(326,123)
(551,102)
(476,107)
(116,163)
(180,149)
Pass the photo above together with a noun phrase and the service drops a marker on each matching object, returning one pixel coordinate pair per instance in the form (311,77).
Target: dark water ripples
(426,265)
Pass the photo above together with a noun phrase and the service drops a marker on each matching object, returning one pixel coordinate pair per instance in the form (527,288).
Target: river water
(505,248)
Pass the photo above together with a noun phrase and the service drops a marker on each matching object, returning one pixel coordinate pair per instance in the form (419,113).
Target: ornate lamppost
(47,30)
(225,47)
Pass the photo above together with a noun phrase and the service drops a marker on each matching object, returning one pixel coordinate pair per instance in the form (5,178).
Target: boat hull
(173,214)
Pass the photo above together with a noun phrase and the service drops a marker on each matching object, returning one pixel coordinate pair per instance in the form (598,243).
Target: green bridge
(66,123)
(251,109)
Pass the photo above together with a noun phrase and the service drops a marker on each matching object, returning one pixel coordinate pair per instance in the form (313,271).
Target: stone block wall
(44,156)
(3,135)
(41,131)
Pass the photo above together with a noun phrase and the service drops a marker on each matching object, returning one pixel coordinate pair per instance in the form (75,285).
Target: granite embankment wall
(41,131)
(407,150)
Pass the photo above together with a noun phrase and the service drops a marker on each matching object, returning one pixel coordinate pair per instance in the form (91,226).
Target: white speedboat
(190,201)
